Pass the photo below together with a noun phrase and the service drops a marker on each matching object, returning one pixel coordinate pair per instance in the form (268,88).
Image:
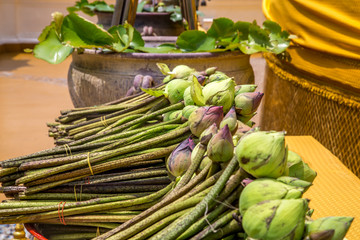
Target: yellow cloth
(331,26)
(335,190)
(327,47)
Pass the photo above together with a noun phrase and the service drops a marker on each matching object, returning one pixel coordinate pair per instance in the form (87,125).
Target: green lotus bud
(246,118)
(292,181)
(175,114)
(217,76)
(248,102)
(187,97)
(180,158)
(296,167)
(266,189)
(204,117)
(221,146)
(205,161)
(220,93)
(340,224)
(208,133)
(211,70)
(245,88)
(276,219)
(181,72)
(262,154)
(187,111)
(230,120)
(166,116)
(174,90)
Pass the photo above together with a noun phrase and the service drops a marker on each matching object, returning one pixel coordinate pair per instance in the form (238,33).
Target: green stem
(88,158)
(178,227)
(232,227)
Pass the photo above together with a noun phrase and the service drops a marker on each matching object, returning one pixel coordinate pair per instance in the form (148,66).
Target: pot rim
(164,55)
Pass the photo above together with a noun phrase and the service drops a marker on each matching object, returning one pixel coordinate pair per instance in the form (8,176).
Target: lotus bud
(175,115)
(187,97)
(220,93)
(205,161)
(230,120)
(180,158)
(339,224)
(246,118)
(242,129)
(276,219)
(262,154)
(148,82)
(174,90)
(137,82)
(217,76)
(296,167)
(203,117)
(131,91)
(246,182)
(221,146)
(245,88)
(292,181)
(266,189)
(181,72)
(188,110)
(250,123)
(247,103)
(211,70)
(208,133)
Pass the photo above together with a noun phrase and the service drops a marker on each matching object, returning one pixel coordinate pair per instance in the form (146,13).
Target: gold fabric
(330,26)
(335,190)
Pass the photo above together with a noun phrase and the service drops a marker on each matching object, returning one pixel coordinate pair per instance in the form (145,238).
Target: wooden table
(335,190)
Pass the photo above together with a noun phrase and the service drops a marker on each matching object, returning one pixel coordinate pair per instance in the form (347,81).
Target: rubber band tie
(67,150)
(103,121)
(88,160)
(61,216)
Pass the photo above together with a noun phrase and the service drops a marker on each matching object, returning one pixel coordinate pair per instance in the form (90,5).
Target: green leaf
(243,29)
(51,49)
(221,28)
(196,92)
(103,7)
(79,32)
(140,6)
(164,69)
(137,40)
(195,41)
(258,36)
(45,32)
(58,19)
(160,49)
(153,92)
(279,40)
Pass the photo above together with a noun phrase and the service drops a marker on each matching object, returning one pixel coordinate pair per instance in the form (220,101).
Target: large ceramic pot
(96,77)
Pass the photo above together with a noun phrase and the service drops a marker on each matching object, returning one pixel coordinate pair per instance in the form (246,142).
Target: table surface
(335,190)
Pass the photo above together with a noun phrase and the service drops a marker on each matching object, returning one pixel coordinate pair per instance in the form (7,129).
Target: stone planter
(97,77)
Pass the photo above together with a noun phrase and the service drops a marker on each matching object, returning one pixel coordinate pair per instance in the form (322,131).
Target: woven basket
(301,104)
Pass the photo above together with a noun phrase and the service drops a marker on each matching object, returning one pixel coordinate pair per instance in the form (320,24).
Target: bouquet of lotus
(179,161)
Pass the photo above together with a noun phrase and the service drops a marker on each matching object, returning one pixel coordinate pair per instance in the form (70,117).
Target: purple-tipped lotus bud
(221,146)
(220,93)
(148,82)
(208,133)
(188,110)
(230,120)
(248,102)
(245,88)
(187,97)
(246,182)
(174,90)
(179,160)
(203,117)
(131,91)
(137,82)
